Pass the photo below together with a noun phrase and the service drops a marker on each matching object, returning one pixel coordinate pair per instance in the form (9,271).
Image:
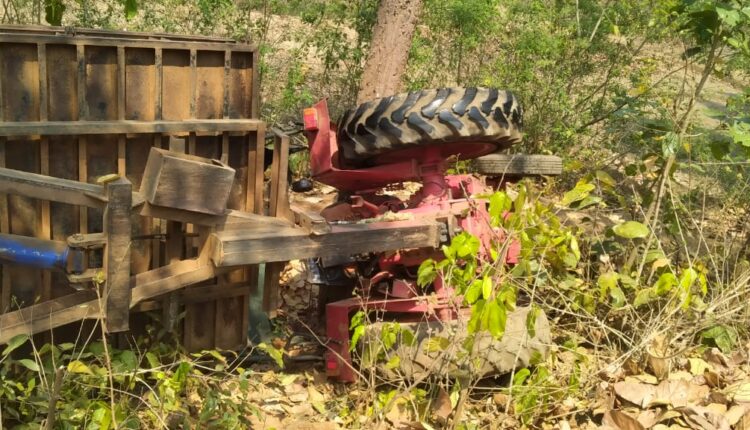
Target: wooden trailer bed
(80,112)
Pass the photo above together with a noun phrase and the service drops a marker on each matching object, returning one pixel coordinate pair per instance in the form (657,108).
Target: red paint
(446,198)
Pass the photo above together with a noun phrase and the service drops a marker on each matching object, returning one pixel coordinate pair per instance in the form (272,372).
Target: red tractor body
(448,199)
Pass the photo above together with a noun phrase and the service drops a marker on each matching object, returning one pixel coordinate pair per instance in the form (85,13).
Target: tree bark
(389,50)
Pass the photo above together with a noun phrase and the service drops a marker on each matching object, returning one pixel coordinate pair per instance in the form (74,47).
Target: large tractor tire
(439,348)
(465,122)
(515,165)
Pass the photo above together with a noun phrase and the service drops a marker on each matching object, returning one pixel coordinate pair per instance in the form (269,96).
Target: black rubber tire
(518,165)
(384,126)
(516,349)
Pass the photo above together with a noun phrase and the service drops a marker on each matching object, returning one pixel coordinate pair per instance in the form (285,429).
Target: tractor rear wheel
(466,122)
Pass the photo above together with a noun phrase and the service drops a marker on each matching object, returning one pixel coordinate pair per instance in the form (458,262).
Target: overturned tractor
(132,180)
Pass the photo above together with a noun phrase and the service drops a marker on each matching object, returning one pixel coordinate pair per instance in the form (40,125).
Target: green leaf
(669,144)
(152,359)
(631,230)
(729,17)
(618,297)
(520,199)
(477,314)
(643,297)
(356,335)
(275,353)
(740,133)
(426,273)
(473,292)
(607,282)
(521,376)
(605,178)
(29,364)
(724,337)
(77,366)
(437,344)
(127,361)
(14,343)
(486,287)
(531,318)
(131,9)
(53,11)
(574,247)
(665,283)
(500,204)
(581,191)
(496,319)
(393,363)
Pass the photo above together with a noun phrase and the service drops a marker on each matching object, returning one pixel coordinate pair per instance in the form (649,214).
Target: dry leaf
(714,356)
(659,366)
(698,366)
(621,421)
(743,423)
(712,379)
(702,418)
(717,408)
(680,375)
(740,392)
(675,393)
(648,418)
(441,408)
(644,377)
(735,413)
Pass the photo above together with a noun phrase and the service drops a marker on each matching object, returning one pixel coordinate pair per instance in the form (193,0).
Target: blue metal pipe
(29,251)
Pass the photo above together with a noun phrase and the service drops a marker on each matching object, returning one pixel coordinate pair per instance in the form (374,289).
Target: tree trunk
(389,50)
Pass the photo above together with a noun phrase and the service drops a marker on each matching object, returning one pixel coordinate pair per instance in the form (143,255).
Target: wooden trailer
(141,156)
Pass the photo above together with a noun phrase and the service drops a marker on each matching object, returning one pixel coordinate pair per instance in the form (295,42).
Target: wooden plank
(48,315)
(170,278)
(62,99)
(159,83)
(5,287)
(83,216)
(20,72)
(203,293)
(241,86)
(279,200)
(101,83)
(176,84)
(209,82)
(187,182)
(255,96)
(27,184)
(193,82)
(43,93)
(107,42)
(226,84)
(235,248)
(121,85)
(213,126)
(117,262)
(84,304)
(140,84)
(255,171)
(44,230)
(312,222)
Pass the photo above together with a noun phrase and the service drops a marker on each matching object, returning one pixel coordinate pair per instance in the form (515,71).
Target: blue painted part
(28,251)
